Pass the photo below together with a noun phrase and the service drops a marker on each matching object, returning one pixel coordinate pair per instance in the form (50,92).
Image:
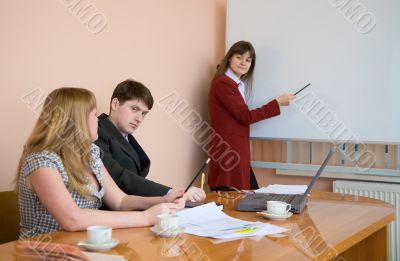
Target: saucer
(98,247)
(276,216)
(167,233)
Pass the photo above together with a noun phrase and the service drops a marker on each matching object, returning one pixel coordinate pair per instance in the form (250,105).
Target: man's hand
(195,194)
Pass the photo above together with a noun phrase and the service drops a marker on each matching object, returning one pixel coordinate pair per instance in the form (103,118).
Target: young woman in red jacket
(231,119)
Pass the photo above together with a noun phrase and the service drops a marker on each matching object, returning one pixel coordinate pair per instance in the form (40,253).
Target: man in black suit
(123,157)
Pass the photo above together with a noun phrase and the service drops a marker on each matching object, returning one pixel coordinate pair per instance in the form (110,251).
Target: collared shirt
(125,136)
(241,85)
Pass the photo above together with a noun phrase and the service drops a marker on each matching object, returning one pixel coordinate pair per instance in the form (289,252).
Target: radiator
(387,192)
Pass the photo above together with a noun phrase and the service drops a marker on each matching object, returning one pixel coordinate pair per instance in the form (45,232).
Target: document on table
(209,221)
(282,189)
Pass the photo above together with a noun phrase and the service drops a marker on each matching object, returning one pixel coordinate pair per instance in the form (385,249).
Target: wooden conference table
(353,228)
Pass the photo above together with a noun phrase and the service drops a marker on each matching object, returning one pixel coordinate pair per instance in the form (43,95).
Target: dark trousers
(253,180)
(253,183)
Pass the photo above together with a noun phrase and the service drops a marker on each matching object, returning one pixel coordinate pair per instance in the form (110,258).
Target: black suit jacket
(126,162)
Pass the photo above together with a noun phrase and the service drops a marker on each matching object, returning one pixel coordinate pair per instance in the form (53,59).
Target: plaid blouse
(34,218)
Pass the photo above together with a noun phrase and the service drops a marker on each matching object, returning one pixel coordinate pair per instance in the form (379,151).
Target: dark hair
(133,90)
(240,47)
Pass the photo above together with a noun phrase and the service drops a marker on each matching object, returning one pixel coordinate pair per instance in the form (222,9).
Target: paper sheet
(209,221)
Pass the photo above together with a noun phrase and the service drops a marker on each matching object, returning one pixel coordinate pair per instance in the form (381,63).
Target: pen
(203,177)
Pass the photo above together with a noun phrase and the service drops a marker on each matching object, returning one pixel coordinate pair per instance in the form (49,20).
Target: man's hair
(132,90)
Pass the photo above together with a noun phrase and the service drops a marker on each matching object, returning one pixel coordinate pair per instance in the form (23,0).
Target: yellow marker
(247,230)
(203,178)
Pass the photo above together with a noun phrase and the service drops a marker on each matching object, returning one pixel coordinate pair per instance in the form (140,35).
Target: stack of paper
(209,221)
(283,189)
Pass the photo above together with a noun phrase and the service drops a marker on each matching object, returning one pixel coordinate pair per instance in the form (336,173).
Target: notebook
(258,202)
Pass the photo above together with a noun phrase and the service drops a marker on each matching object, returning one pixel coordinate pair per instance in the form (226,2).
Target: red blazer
(230,146)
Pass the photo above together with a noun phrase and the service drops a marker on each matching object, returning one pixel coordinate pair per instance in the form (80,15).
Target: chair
(9,216)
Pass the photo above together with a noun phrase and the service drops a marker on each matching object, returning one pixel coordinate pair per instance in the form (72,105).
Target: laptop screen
(323,165)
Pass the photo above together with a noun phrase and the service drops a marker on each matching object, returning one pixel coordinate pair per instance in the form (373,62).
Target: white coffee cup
(168,221)
(278,207)
(98,234)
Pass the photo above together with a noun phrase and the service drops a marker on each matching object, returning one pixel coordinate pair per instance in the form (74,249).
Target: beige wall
(169,45)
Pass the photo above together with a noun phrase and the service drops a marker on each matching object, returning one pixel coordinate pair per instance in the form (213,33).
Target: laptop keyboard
(280,197)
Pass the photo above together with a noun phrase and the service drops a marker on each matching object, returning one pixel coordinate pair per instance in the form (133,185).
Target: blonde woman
(62,181)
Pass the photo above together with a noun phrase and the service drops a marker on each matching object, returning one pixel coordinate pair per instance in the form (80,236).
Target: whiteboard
(349,50)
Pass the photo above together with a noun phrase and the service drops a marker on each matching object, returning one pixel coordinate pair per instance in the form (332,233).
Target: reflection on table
(332,224)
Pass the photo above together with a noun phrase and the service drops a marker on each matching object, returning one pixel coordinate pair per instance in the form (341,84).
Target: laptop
(258,202)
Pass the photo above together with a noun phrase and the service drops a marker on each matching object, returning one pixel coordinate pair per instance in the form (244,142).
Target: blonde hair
(63,128)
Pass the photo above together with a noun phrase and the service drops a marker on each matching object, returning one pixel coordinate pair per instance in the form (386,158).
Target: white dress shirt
(241,85)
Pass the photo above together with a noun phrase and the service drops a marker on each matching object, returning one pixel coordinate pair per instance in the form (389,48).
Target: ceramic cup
(278,207)
(98,234)
(168,221)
